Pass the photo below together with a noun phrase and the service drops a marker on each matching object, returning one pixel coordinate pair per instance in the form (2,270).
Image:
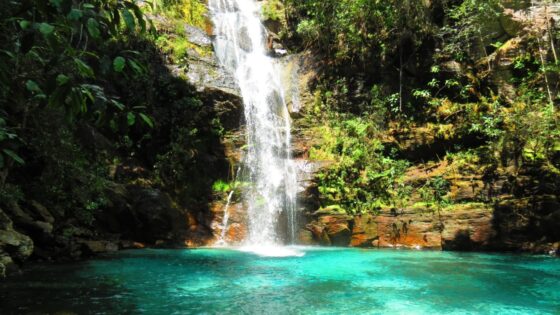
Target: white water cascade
(240,45)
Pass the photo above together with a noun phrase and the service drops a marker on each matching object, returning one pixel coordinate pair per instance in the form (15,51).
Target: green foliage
(434,192)
(360,31)
(273,10)
(49,60)
(361,179)
(466,35)
(397,67)
(221,186)
(192,12)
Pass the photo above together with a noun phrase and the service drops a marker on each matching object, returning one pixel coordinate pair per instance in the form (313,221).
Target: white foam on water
(273,251)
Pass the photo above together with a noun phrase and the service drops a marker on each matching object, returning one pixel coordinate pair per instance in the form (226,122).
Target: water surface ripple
(322,281)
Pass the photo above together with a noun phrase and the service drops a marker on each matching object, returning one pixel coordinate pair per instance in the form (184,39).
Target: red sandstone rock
(409,229)
(236,233)
(364,231)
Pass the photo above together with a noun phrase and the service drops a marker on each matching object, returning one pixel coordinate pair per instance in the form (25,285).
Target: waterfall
(240,45)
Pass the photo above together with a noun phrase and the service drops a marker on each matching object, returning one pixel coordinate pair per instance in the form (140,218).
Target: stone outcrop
(483,213)
(236,227)
(461,227)
(15,247)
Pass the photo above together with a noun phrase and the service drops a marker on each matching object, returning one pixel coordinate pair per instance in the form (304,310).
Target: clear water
(323,281)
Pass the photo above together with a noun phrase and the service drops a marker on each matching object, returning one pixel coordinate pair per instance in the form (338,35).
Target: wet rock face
(236,229)
(15,247)
(153,216)
(331,229)
(466,228)
(365,231)
(216,85)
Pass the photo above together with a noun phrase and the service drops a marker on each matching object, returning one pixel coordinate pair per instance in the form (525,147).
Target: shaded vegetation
(88,103)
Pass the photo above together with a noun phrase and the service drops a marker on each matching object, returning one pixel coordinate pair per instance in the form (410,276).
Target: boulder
(413,228)
(101,246)
(364,231)
(42,211)
(335,230)
(319,234)
(15,247)
(467,227)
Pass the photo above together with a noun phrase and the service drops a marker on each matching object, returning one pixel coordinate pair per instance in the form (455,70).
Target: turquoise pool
(322,281)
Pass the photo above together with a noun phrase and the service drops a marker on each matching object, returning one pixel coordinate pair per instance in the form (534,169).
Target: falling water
(240,41)
(222,240)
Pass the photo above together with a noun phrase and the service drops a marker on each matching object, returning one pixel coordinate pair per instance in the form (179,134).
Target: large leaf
(119,63)
(24,24)
(46,29)
(62,79)
(75,14)
(129,20)
(139,15)
(32,86)
(147,120)
(130,118)
(56,3)
(13,156)
(83,68)
(117,104)
(93,28)
(135,66)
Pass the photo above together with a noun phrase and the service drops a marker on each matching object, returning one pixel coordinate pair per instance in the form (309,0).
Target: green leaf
(135,66)
(14,156)
(139,16)
(93,28)
(61,79)
(129,20)
(75,15)
(32,86)
(147,120)
(1,161)
(56,3)
(117,104)
(119,63)
(84,69)
(24,24)
(46,29)
(130,118)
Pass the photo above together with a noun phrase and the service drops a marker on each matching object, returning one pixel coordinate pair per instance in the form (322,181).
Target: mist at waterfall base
(239,43)
(323,281)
